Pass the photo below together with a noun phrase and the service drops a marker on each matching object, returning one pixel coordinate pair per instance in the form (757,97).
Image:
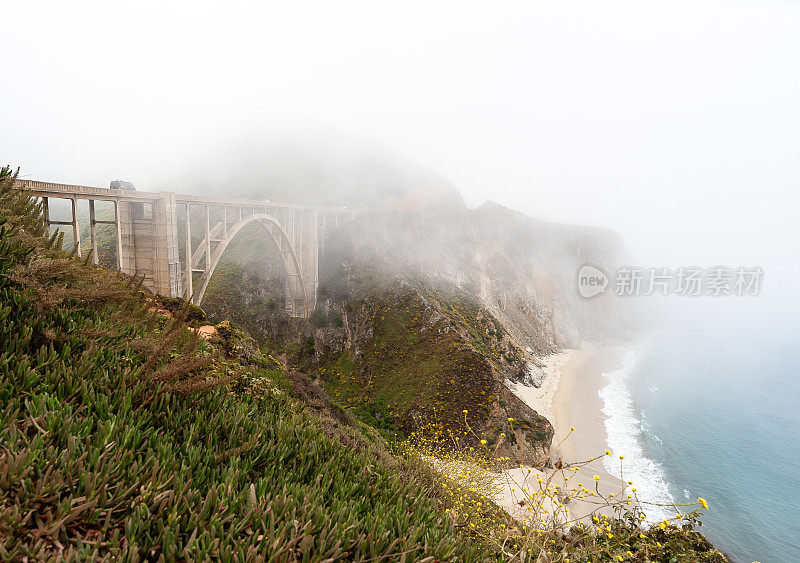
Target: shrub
(615,529)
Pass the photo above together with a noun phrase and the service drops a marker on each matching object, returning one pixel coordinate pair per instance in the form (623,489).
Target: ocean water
(715,412)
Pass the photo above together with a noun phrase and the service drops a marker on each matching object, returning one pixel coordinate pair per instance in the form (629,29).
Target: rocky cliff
(523,271)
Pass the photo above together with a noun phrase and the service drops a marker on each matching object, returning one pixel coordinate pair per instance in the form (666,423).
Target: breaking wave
(625,437)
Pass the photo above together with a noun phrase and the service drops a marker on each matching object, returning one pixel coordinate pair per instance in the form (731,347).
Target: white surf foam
(624,431)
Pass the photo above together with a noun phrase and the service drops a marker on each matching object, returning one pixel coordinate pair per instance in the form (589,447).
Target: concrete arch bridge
(150,244)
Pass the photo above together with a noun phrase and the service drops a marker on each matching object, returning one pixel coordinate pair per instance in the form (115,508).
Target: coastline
(569,398)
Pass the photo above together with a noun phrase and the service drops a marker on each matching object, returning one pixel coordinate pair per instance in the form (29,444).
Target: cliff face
(522,270)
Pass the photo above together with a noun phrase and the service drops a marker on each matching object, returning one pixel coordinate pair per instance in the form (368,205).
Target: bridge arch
(298,297)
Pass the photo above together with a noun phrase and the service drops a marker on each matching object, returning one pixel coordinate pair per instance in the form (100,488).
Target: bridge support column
(308,244)
(76,231)
(93,232)
(149,243)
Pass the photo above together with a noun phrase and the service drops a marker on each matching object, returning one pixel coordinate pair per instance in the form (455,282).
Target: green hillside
(125,435)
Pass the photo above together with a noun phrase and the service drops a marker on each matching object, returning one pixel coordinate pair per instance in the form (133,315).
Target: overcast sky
(676,123)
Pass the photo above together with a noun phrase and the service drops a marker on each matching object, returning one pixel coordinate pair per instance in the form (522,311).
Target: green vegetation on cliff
(427,356)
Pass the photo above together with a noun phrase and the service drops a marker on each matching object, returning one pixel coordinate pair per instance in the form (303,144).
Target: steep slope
(422,316)
(421,358)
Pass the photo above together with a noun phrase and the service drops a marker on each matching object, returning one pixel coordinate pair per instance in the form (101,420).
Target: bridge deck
(70,191)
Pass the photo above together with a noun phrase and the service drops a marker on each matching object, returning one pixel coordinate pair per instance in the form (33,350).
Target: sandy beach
(577,403)
(569,398)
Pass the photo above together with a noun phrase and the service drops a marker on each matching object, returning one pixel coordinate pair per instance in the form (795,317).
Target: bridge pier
(149,243)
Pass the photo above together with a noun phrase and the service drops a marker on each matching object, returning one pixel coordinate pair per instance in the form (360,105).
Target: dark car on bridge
(120,185)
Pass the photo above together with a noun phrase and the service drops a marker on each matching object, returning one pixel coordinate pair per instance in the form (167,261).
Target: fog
(676,124)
